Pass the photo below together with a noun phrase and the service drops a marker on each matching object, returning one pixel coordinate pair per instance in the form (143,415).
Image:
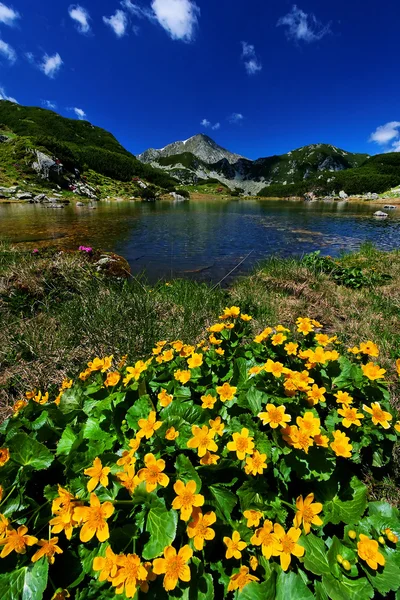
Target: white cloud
(3,96)
(206,123)
(178,17)
(49,104)
(51,65)
(251,62)
(8,16)
(118,22)
(81,16)
(8,51)
(302,26)
(235,118)
(383,135)
(80,113)
(136,10)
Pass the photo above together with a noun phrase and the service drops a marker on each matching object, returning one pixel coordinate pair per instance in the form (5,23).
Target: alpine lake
(201,239)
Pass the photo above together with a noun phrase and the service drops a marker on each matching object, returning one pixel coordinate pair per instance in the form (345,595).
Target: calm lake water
(201,239)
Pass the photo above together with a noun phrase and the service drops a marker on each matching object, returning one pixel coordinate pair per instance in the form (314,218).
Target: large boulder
(380,215)
(47,168)
(24,196)
(343,195)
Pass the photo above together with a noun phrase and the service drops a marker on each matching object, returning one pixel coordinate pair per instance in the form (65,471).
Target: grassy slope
(56,312)
(77,144)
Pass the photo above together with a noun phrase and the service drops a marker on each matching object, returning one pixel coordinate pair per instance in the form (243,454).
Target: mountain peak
(200,145)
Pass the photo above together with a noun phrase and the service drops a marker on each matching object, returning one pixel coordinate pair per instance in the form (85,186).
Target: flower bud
(352,534)
(346,565)
(339,558)
(381,540)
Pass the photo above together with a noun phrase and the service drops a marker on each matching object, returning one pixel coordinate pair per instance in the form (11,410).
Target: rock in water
(380,214)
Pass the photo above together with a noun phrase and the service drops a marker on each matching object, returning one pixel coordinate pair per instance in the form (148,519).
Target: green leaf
(347,511)
(66,442)
(290,585)
(347,553)
(253,400)
(186,471)
(202,588)
(259,591)
(161,525)
(71,401)
(239,372)
(27,583)
(315,559)
(26,451)
(223,500)
(347,589)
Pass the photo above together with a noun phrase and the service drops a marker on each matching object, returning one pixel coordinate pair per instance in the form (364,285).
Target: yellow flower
(209,459)
(112,379)
(187,350)
(246,318)
(48,549)
(94,518)
(134,372)
(217,425)
(289,545)
(307,513)
(233,311)
(17,541)
(369,348)
(165,398)
(167,355)
(128,479)
(304,325)
(63,506)
(217,328)
(291,348)
(340,445)
(234,546)
(398,366)
(276,368)
(397,426)
(267,539)
(108,565)
(238,581)
(67,384)
(199,528)
(373,371)
(186,498)
(321,440)
(351,416)
(122,362)
(196,360)
(203,440)
(30,395)
(226,392)
(148,426)
(368,550)
(322,339)
(18,406)
(379,416)
(297,438)
(41,399)
(4,523)
(278,339)
(253,517)
(208,401)
(316,395)
(255,370)
(214,341)
(177,346)
(256,464)
(153,474)
(253,563)
(182,376)
(130,573)
(98,474)
(220,351)
(174,565)
(4,456)
(85,374)
(274,416)
(242,444)
(354,350)
(309,424)
(97,364)
(171,434)
(343,398)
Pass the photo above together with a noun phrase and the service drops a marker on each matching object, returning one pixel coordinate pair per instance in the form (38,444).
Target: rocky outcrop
(47,168)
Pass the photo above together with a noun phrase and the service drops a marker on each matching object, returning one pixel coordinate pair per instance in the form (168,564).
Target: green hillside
(78,144)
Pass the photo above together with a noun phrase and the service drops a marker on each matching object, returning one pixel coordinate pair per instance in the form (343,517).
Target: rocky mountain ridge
(196,163)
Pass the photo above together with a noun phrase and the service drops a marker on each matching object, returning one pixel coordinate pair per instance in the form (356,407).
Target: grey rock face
(24,196)
(343,195)
(200,145)
(40,198)
(46,167)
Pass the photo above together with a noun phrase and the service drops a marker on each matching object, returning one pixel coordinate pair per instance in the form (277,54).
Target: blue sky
(261,77)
